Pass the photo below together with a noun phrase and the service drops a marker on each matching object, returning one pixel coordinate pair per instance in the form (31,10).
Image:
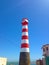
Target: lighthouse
(24,53)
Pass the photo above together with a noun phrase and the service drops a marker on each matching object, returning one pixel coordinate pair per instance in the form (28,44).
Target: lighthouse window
(47,48)
(43,50)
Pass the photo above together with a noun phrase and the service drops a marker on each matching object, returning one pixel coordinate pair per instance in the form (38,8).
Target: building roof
(45,45)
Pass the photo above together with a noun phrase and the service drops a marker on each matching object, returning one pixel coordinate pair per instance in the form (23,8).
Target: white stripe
(25,26)
(24,50)
(24,41)
(25,20)
(24,33)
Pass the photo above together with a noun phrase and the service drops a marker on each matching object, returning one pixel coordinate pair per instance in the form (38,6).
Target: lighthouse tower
(24,53)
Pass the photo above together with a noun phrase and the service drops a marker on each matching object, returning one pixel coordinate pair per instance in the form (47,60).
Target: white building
(45,50)
(3,61)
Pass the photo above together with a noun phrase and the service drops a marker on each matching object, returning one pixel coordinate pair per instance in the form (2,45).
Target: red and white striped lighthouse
(24,53)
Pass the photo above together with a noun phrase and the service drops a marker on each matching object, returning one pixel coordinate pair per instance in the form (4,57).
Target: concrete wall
(3,61)
(46,52)
(39,62)
(44,61)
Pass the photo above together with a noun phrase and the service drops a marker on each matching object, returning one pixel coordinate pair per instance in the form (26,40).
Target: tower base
(24,58)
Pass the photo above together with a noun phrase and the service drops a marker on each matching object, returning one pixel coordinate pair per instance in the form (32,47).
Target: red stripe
(25,37)
(24,45)
(24,30)
(25,23)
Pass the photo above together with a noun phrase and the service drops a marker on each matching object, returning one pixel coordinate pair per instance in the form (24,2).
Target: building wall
(44,61)
(45,51)
(3,61)
(47,60)
(39,62)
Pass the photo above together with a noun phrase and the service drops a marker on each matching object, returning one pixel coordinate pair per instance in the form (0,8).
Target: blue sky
(11,14)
